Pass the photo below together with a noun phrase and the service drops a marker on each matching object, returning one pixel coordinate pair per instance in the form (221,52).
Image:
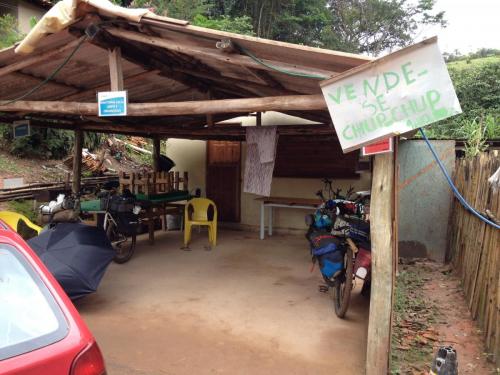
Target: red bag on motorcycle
(362,266)
(323,243)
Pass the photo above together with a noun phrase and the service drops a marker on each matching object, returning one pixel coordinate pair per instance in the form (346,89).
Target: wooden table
(156,209)
(161,210)
(282,202)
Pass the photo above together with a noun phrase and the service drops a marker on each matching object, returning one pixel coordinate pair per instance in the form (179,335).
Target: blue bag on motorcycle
(331,263)
(327,249)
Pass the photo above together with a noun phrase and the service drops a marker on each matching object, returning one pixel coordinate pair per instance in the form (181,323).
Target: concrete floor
(246,307)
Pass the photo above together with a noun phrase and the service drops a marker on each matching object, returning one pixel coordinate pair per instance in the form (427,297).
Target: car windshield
(29,316)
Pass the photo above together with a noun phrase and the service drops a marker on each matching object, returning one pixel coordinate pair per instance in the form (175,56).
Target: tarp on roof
(67,12)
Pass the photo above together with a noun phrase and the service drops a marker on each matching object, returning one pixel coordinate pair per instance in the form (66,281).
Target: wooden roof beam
(144,58)
(201,107)
(234,59)
(115,69)
(218,132)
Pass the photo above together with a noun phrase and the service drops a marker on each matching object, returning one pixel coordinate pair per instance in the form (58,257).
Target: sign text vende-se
(399,92)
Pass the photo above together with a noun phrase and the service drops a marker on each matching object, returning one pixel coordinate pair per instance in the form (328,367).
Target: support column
(210,117)
(262,224)
(381,229)
(270,228)
(77,162)
(115,69)
(156,154)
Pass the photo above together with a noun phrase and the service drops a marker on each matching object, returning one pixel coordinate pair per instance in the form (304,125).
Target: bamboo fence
(475,245)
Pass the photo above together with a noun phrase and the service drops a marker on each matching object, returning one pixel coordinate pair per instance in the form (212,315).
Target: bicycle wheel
(123,246)
(343,286)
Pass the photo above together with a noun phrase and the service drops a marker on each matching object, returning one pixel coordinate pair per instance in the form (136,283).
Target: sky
(472,24)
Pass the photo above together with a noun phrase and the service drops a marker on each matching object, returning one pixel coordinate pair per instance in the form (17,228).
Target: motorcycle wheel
(343,286)
(124,248)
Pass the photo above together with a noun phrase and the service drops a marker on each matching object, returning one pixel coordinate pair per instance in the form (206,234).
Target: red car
(41,332)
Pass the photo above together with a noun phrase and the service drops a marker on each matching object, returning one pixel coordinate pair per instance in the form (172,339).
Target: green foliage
(373,26)
(24,207)
(479,54)
(240,25)
(476,133)
(296,21)
(33,21)
(302,22)
(366,26)
(9,33)
(183,9)
(478,90)
(45,143)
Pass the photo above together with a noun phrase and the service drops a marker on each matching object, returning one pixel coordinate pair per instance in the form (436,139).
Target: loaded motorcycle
(339,238)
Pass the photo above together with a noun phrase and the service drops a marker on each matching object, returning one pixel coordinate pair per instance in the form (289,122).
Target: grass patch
(24,207)
(7,165)
(468,63)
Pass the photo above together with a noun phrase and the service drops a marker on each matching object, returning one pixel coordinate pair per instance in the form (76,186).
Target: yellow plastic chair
(196,213)
(12,219)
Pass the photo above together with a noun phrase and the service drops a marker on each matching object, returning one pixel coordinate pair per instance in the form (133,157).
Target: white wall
(291,187)
(191,156)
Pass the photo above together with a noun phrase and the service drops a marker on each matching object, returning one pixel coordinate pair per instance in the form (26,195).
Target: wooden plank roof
(164,60)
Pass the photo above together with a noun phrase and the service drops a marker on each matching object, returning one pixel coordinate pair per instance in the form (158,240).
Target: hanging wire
(278,69)
(453,187)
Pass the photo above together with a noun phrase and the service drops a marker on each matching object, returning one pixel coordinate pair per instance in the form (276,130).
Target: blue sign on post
(21,128)
(112,103)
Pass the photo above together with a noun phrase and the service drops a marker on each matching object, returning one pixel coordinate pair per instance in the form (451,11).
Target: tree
(373,26)
(239,25)
(205,13)
(362,26)
(295,21)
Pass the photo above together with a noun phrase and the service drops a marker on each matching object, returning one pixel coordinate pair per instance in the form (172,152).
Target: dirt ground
(435,315)
(246,307)
(32,170)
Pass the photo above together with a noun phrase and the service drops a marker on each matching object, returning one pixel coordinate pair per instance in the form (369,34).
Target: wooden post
(210,117)
(379,325)
(115,69)
(258,119)
(156,154)
(77,162)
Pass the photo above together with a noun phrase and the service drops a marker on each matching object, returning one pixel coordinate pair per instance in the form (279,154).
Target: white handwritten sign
(392,95)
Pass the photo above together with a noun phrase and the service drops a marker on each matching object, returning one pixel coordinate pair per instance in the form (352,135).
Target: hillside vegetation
(477,84)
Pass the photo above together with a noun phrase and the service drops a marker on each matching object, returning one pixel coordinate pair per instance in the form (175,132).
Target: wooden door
(224,178)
